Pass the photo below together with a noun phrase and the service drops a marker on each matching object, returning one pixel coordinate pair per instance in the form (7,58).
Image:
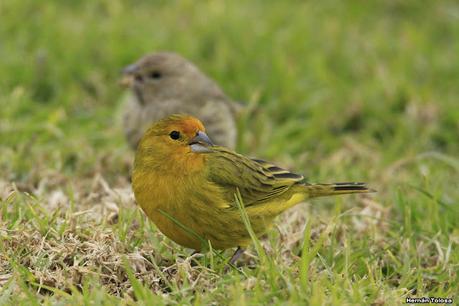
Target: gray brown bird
(165,83)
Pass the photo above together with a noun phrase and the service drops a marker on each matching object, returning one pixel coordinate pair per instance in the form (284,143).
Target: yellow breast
(191,211)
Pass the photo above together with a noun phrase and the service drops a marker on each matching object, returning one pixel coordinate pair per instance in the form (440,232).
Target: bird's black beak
(201,143)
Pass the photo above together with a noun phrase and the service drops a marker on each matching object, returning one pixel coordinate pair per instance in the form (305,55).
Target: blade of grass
(305,260)
(204,242)
(246,220)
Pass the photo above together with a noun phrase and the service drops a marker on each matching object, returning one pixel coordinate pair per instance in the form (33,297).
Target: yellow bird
(186,185)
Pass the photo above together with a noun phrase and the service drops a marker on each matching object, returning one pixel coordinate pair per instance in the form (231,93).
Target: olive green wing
(257,180)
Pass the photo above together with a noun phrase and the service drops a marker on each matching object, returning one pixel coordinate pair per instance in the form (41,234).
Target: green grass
(354,90)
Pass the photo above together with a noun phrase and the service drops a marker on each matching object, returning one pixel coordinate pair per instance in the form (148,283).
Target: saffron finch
(165,83)
(186,185)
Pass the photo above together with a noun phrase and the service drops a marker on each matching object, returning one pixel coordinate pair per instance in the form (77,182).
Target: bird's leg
(236,255)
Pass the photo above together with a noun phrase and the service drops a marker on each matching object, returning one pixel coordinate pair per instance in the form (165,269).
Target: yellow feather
(189,194)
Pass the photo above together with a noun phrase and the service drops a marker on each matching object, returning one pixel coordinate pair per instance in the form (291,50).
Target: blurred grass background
(353,90)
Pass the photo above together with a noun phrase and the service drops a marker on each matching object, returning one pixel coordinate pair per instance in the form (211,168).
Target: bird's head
(174,137)
(162,76)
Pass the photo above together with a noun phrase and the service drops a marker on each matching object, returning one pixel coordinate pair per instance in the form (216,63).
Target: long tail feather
(320,190)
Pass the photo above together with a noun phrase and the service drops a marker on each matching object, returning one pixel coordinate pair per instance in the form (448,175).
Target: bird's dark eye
(174,135)
(155,75)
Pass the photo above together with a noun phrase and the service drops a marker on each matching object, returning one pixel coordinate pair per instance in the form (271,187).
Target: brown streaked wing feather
(256,179)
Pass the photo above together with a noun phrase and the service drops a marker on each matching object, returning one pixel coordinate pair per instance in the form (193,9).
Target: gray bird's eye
(155,75)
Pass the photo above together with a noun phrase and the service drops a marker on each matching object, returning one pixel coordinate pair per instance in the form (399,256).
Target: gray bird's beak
(130,69)
(201,143)
(127,79)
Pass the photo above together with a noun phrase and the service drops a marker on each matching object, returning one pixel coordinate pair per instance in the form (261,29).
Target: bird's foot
(236,255)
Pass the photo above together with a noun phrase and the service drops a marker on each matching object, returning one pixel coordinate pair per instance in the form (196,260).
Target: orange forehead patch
(191,125)
(185,123)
